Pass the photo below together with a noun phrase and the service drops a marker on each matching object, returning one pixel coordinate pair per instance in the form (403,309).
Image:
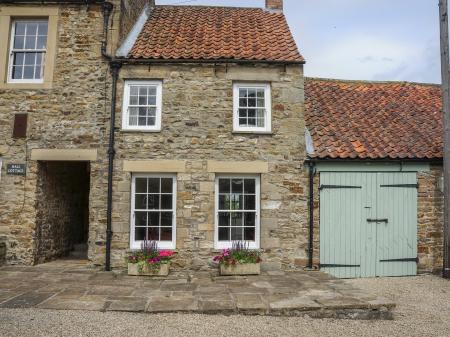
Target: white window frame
(267,105)
(134,245)
(228,244)
(11,52)
(126,99)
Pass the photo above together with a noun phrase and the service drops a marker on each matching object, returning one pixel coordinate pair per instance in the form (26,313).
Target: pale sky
(360,39)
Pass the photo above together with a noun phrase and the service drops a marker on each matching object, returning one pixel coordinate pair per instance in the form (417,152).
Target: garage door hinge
(321,187)
(326,265)
(412,259)
(402,185)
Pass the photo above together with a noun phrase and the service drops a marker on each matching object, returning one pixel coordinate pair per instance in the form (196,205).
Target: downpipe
(311,215)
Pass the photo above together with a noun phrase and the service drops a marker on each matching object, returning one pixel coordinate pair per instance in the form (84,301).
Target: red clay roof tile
(212,33)
(374,120)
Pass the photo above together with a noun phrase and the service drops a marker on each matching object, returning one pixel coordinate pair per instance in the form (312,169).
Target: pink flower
(166,253)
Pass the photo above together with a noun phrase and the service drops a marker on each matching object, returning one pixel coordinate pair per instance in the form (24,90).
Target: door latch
(378,220)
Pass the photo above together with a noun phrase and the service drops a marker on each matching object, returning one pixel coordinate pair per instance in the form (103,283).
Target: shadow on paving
(73,285)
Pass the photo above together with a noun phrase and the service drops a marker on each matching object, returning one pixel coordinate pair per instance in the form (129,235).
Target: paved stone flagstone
(73,285)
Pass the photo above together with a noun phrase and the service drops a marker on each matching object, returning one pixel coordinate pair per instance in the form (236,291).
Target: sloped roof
(374,120)
(215,33)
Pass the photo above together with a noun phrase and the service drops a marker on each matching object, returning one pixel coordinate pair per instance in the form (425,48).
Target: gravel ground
(423,309)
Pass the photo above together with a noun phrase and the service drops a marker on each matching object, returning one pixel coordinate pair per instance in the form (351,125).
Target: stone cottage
(124,119)
(54,99)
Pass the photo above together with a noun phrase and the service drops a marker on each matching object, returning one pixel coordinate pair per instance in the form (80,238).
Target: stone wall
(429,221)
(72,114)
(196,128)
(62,208)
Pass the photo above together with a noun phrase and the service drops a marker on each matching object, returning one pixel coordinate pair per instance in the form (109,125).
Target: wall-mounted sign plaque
(16,169)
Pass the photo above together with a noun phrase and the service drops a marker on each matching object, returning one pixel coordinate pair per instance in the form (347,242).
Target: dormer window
(252,108)
(142,106)
(28,51)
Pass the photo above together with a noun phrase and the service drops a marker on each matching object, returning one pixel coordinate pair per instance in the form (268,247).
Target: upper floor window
(27,52)
(252,107)
(142,105)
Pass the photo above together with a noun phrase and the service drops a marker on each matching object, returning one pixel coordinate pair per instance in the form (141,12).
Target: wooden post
(445,70)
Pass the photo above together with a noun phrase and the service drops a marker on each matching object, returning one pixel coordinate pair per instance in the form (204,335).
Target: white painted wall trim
(128,43)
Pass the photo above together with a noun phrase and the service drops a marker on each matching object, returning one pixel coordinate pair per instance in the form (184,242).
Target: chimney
(274,5)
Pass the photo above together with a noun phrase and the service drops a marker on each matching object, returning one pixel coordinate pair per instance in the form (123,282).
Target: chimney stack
(274,5)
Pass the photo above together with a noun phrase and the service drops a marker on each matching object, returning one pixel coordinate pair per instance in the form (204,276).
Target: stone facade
(430,221)
(197,128)
(72,114)
(430,218)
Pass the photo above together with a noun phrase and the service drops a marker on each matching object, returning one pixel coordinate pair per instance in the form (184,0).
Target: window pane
(260,122)
(153,185)
(224,201)
(252,102)
(18,58)
(30,42)
(166,234)
(224,234)
(236,219)
(166,201)
(31,28)
(39,58)
(140,201)
(243,121)
(260,102)
(20,28)
(153,233)
(139,233)
(151,90)
(133,100)
(17,72)
(43,28)
(260,93)
(250,219)
(134,90)
(152,100)
(142,91)
(166,185)
(41,42)
(30,58)
(141,185)
(249,186)
(251,93)
(224,185)
(142,121)
(243,113)
(37,72)
(251,122)
(166,219)
(242,102)
(237,186)
(153,218)
(236,234)
(242,92)
(249,234)
(19,42)
(140,219)
(142,100)
(153,201)
(28,72)
(250,202)
(236,202)
(224,219)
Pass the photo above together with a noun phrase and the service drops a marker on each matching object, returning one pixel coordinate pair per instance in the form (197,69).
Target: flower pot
(135,270)
(241,269)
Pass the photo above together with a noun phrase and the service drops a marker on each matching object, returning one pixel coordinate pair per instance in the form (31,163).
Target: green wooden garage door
(368,224)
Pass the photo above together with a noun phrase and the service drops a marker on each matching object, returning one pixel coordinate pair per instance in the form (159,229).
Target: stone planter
(134,270)
(241,269)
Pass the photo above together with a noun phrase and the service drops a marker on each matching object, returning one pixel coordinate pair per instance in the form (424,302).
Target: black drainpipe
(115,68)
(311,216)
